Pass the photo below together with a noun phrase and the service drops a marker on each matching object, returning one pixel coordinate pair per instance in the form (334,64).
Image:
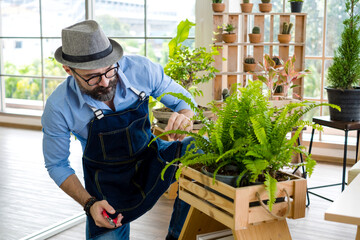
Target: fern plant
(250,134)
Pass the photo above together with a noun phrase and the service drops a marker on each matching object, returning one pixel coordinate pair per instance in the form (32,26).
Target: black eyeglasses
(96,79)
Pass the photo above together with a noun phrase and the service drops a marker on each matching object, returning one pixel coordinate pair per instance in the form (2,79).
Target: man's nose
(104,82)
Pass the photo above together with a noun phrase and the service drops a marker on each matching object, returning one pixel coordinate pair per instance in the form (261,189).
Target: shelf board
(259,14)
(235,73)
(260,44)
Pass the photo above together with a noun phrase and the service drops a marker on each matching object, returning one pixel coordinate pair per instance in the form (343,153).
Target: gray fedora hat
(85,46)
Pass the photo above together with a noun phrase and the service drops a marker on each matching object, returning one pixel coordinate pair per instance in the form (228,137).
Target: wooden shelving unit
(270,24)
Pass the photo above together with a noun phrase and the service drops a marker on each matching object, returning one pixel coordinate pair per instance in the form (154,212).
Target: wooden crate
(231,206)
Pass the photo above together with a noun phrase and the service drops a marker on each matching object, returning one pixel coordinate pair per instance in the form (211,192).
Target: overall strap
(141,95)
(97,112)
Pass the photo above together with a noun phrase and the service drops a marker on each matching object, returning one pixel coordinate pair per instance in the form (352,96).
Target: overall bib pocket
(126,142)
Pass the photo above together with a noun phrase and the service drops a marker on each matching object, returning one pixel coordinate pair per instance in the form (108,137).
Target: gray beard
(101,93)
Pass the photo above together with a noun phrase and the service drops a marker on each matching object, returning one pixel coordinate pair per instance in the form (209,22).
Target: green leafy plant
(296,1)
(256,30)
(246,1)
(229,28)
(265,1)
(344,72)
(186,66)
(283,77)
(287,28)
(250,135)
(217,1)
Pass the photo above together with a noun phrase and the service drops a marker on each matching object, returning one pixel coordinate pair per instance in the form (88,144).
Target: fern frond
(270,186)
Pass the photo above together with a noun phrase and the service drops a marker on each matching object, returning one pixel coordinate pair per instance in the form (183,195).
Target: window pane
(158,50)
(50,85)
(132,46)
(19,18)
(312,82)
(163,16)
(335,14)
(120,19)
(314,27)
(51,66)
(57,15)
(22,56)
(327,65)
(23,88)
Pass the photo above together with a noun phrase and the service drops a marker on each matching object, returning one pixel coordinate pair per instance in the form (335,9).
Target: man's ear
(67,69)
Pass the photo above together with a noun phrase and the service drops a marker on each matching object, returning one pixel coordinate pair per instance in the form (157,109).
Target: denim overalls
(120,167)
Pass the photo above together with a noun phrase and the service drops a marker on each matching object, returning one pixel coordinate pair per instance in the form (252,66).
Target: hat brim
(110,59)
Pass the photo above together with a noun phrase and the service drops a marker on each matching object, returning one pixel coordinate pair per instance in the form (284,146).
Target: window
(30,32)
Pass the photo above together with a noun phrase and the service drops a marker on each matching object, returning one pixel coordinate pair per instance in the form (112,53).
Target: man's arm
(180,120)
(73,187)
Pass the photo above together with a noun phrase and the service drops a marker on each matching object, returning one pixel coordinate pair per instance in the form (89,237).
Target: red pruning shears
(109,219)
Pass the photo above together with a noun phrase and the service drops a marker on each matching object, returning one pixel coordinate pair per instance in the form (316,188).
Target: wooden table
(346,208)
(346,127)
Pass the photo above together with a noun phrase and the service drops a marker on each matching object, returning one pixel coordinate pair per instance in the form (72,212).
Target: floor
(30,200)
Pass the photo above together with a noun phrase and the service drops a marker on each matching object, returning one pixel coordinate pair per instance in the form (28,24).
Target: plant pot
(296,7)
(240,213)
(348,100)
(278,66)
(230,180)
(246,7)
(284,38)
(218,7)
(229,38)
(265,7)
(254,37)
(249,67)
(163,114)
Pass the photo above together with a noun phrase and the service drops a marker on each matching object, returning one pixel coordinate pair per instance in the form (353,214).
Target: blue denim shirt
(67,109)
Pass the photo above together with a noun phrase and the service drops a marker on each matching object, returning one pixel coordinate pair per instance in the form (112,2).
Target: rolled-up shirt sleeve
(161,83)
(56,145)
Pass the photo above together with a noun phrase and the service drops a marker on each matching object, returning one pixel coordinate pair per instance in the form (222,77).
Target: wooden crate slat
(259,214)
(207,209)
(205,194)
(220,187)
(300,200)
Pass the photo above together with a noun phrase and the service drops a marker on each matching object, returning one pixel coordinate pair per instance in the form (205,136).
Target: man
(104,103)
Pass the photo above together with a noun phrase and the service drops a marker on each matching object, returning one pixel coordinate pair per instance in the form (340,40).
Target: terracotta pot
(218,7)
(229,38)
(265,7)
(278,66)
(246,7)
(249,67)
(254,38)
(284,38)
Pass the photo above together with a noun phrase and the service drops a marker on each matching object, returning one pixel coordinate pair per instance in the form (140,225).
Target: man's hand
(96,213)
(180,120)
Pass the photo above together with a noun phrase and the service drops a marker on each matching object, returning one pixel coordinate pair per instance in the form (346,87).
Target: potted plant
(249,135)
(265,6)
(255,36)
(278,62)
(279,78)
(246,6)
(218,5)
(229,36)
(285,35)
(187,67)
(296,5)
(249,64)
(344,73)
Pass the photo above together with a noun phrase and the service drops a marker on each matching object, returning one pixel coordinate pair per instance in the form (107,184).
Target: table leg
(344,161)
(311,140)
(357,233)
(357,146)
